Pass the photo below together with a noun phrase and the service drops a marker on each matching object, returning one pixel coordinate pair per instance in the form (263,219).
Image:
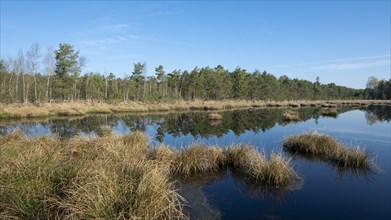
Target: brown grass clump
(105,130)
(198,159)
(328,149)
(215,116)
(109,177)
(280,172)
(138,189)
(165,156)
(353,157)
(312,143)
(275,172)
(28,168)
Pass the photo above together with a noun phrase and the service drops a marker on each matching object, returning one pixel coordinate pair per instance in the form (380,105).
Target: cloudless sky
(341,42)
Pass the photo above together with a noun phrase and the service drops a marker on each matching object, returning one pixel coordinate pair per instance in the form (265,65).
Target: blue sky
(341,42)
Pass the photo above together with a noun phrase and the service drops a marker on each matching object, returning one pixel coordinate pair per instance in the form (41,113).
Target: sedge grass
(273,172)
(326,148)
(118,177)
(312,143)
(108,177)
(198,159)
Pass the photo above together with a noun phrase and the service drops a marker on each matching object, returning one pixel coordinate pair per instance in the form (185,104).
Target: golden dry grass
(273,172)
(115,177)
(313,143)
(191,161)
(109,177)
(327,148)
(197,159)
(84,108)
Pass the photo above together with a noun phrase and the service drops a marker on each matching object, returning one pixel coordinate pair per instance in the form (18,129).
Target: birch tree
(33,56)
(49,62)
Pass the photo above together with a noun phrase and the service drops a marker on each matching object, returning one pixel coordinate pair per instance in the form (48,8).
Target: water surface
(324,192)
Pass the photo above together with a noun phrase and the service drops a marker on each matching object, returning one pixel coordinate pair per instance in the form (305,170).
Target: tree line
(378,89)
(21,81)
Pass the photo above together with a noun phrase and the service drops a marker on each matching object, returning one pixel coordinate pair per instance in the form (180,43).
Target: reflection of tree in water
(378,113)
(176,124)
(196,124)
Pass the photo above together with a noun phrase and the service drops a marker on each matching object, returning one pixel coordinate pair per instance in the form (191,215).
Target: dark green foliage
(66,60)
(378,89)
(138,71)
(64,84)
(240,85)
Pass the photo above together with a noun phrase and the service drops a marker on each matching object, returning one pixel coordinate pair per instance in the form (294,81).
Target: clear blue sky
(341,42)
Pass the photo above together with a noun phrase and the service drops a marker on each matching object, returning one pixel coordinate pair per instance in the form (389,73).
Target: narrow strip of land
(9,111)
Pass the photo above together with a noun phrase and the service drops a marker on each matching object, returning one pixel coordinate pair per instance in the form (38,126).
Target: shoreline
(44,110)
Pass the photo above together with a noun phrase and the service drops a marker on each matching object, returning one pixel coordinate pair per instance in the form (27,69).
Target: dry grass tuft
(276,172)
(328,149)
(105,130)
(280,173)
(197,159)
(312,143)
(353,157)
(108,177)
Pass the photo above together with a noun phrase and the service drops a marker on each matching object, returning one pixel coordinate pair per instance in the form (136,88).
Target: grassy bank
(84,108)
(326,148)
(115,177)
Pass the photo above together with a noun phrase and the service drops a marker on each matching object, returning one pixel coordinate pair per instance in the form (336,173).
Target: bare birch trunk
(35,88)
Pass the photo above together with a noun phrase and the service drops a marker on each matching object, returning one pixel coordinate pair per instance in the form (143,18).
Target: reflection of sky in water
(121,128)
(32,130)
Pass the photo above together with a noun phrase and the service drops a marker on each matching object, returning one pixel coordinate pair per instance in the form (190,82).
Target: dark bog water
(325,191)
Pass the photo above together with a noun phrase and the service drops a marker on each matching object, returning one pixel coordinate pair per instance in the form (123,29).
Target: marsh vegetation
(116,176)
(42,110)
(327,148)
